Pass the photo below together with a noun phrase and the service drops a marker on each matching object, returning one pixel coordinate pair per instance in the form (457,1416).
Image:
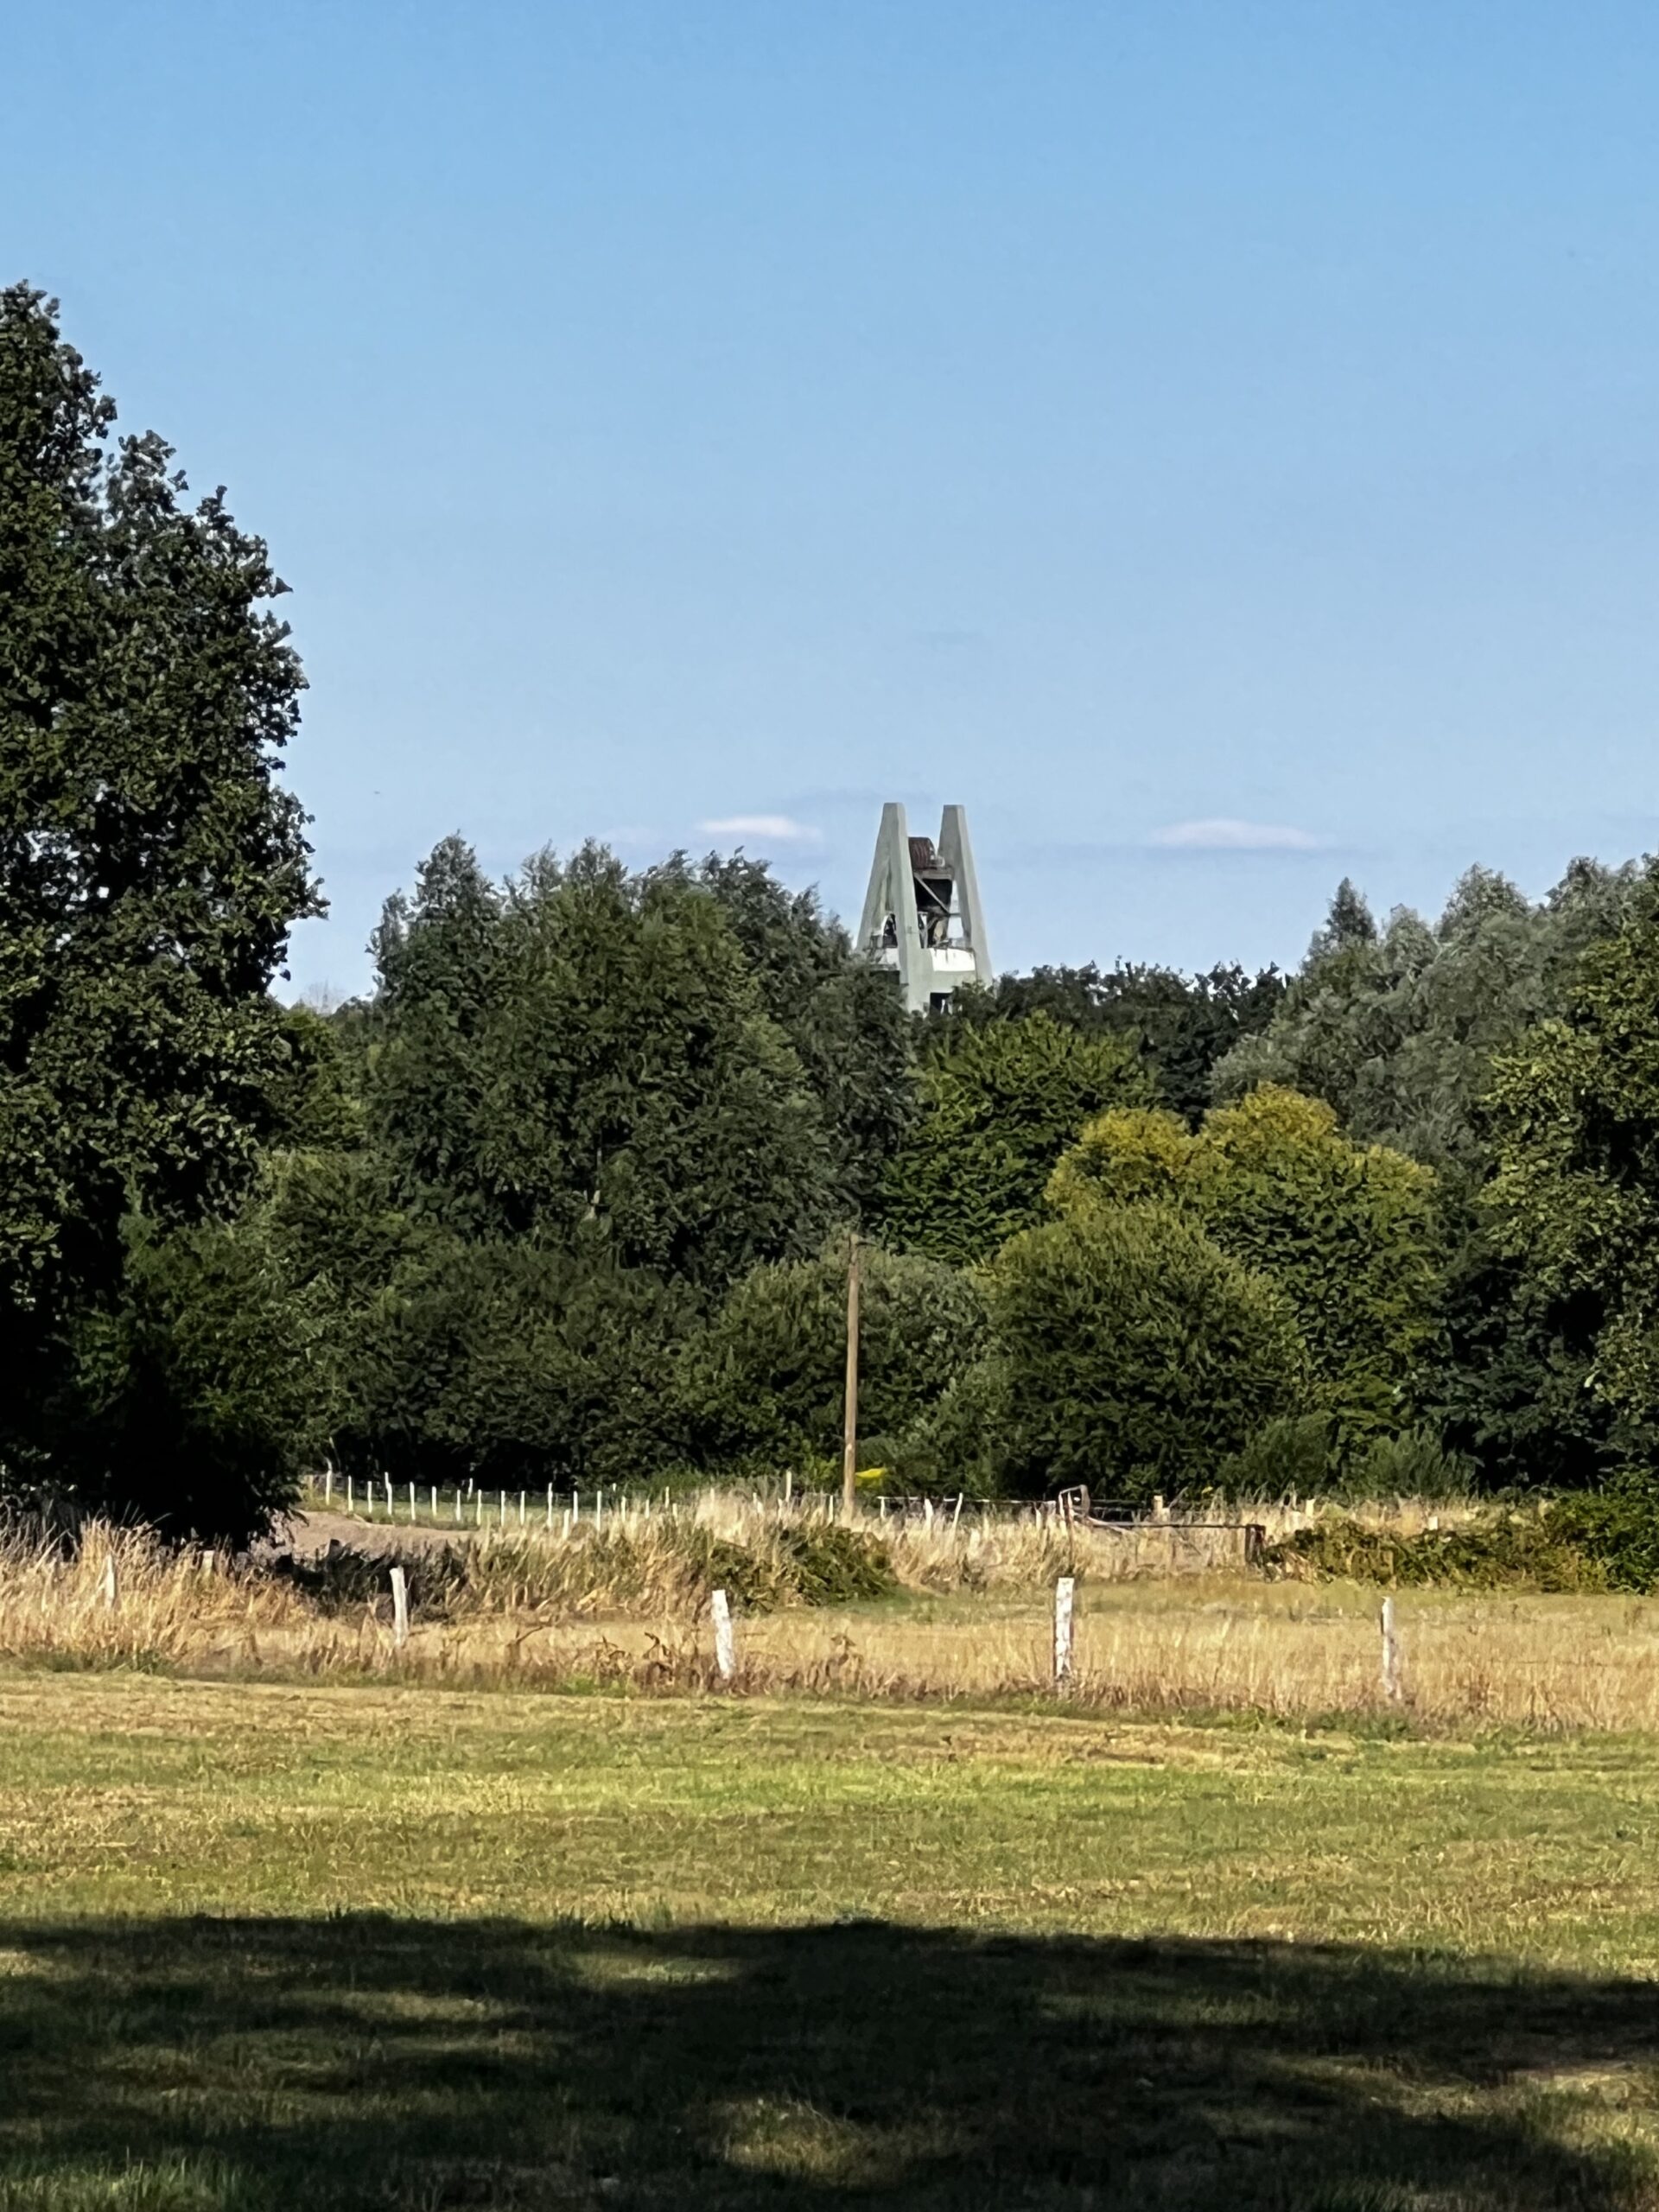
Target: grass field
(405,1947)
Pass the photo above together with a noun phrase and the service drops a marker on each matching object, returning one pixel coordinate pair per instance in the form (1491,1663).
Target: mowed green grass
(265,1947)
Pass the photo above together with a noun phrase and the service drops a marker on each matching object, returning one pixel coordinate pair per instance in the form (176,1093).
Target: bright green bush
(1347,1232)
(1136,1355)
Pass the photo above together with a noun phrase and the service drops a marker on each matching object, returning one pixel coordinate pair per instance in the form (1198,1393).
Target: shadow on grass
(367,2061)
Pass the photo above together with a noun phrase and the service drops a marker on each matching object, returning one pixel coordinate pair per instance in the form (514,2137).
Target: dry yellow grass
(974,1622)
(1180,1535)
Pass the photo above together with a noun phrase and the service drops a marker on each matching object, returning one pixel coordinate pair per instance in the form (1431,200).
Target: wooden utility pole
(849,1431)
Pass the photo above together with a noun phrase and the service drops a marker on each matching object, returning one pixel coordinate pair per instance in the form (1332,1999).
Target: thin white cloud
(777,829)
(1221,834)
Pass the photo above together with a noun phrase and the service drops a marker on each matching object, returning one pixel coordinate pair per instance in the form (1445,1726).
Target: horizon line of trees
(567,1196)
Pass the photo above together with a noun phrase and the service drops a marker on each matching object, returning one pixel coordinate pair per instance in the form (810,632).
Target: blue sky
(1216,444)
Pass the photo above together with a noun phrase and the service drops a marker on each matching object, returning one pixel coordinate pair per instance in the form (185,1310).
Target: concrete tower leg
(957,851)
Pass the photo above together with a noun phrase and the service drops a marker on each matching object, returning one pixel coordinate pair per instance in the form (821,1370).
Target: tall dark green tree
(843,1015)
(997,1105)
(587,1052)
(1574,1117)
(152,864)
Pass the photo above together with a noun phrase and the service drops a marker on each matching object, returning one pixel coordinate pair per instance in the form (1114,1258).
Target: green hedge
(1601,1541)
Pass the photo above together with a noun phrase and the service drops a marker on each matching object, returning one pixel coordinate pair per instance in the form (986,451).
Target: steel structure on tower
(922,913)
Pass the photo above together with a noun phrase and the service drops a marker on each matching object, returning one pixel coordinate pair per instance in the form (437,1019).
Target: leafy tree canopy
(1182,1025)
(1575,1194)
(843,1015)
(1133,1354)
(1348,1233)
(997,1104)
(766,1376)
(150,863)
(582,1050)
(1395,1028)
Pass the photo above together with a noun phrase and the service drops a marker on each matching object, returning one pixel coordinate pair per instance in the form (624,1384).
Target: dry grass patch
(968,1618)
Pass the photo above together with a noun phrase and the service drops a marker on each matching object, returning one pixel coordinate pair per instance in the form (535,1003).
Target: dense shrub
(958,1445)
(830,1565)
(1414,1463)
(765,1378)
(1292,1455)
(1608,1541)
(1135,1355)
(1618,1528)
(188,1405)
(439,1357)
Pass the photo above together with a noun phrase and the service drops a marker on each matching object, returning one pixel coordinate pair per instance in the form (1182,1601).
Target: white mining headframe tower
(922,913)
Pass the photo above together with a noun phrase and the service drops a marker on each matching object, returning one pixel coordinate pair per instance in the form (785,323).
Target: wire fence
(458,1507)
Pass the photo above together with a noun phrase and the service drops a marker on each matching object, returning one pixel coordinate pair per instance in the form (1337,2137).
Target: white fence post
(725,1647)
(1065,1590)
(111,1586)
(399,1607)
(1391,1683)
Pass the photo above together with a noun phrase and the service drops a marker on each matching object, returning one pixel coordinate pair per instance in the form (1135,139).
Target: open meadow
(532,1911)
(669,1542)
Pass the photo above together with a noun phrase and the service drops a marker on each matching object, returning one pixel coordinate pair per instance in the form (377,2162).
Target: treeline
(568,1197)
